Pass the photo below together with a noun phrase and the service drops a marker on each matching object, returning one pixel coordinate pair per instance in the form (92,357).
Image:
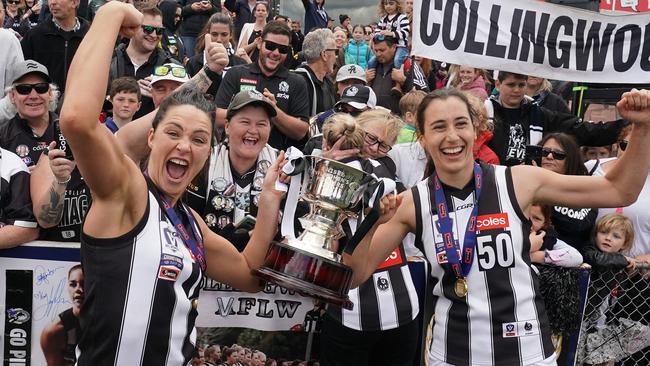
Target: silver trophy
(311,263)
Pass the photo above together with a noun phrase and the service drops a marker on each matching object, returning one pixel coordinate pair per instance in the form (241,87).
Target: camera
(533,153)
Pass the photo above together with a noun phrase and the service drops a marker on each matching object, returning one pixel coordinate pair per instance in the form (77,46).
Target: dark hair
(151,10)
(442,94)
(74,268)
(574,164)
(277,27)
(281,17)
(227,353)
(124,84)
(266,5)
(546,212)
(216,18)
(390,41)
(504,74)
(185,96)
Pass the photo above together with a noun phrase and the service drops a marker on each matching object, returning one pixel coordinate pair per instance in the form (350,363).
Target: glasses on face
(272,46)
(557,155)
(14,2)
(367,33)
(335,50)
(149,29)
(176,71)
(622,144)
(372,140)
(25,89)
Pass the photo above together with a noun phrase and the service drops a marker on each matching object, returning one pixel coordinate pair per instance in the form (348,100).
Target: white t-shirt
(410,161)
(638,212)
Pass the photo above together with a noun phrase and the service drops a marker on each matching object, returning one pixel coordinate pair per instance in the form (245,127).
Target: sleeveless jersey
(72,331)
(139,289)
(502,319)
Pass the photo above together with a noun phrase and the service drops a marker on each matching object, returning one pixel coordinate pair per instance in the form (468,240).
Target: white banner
(534,38)
(272,309)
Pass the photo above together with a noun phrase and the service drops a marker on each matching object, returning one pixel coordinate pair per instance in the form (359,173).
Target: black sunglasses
(622,144)
(557,155)
(16,2)
(148,29)
(371,140)
(272,46)
(25,89)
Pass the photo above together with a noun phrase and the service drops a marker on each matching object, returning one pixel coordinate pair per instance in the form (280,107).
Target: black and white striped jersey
(138,296)
(15,202)
(502,319)
(386,300)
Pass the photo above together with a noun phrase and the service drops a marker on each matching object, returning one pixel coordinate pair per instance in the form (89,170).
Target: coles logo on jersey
(169,273)
(492,221)
(395,258)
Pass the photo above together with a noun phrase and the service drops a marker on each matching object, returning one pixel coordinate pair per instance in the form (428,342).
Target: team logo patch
(382,284)
(352,91)
(22,150)
(17,316)
(283,87)
(492,221)
(520,329)
(169,273)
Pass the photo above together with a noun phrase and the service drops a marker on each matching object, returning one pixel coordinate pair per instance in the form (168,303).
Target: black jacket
(53,47)
(195,64)
(574,225)
(516,128)
(601,260)
(193,21)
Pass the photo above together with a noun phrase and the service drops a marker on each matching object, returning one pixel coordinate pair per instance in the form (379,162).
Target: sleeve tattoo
(52,211)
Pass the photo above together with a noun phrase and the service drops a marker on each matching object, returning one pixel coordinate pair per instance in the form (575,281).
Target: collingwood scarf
(227,202)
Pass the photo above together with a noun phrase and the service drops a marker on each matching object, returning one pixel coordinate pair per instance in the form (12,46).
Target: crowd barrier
(33,292)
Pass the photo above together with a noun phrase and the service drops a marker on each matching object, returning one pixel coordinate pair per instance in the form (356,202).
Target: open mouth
(250,141)
(453,151)
(177,168)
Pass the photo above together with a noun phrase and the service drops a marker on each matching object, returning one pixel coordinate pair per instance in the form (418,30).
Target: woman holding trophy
(472,222)
(143,251)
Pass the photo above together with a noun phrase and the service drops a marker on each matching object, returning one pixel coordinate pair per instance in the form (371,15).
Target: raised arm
(132,138)
(621,185)
(225,263)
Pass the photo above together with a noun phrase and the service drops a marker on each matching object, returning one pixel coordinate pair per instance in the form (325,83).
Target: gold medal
(460,287)
(195,303)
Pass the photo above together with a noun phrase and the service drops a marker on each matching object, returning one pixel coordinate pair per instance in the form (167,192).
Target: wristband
(213,76)
(65,181)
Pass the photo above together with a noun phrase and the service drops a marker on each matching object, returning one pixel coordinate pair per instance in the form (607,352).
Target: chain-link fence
(615,324)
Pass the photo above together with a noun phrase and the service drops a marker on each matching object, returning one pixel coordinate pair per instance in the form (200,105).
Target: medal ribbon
(193,242)
(460,267)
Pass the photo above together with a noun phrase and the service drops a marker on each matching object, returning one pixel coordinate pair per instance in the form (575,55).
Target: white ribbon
(293,157)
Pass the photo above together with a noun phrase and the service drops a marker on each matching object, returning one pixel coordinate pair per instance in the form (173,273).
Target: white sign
(534,38)
(273,309)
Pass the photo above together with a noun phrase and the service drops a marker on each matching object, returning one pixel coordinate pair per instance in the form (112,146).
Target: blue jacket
(314,18)
(358,53)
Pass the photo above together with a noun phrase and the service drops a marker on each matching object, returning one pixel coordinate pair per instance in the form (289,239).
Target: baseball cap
(351,71)
(343,17)
(23,68)
(169,71)
(248,97)
(358,96)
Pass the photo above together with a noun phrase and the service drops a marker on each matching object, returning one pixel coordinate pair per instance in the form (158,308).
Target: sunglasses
(149,29)
(16,2)
(272,46)
(176,71)
(622,144)
(335,50)
(25,89)
(372,140)
(557,155)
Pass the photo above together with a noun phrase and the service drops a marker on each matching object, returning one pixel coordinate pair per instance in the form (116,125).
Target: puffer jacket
(481,150)
(358,53)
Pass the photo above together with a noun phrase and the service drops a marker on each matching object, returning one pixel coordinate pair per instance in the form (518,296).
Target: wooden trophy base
(315,276)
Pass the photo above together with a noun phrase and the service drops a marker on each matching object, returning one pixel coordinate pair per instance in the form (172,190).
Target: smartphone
(533,153)
(61,142)
(247,223)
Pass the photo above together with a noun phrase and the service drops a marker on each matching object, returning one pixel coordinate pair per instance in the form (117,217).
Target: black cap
(247,97)
(343,17)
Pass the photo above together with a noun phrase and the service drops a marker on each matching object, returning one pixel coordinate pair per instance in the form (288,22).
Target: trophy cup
(310,263)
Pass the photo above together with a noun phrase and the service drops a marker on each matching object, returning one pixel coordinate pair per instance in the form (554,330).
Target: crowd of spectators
(311,71)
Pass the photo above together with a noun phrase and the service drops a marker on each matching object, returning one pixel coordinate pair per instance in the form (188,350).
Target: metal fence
(615,327)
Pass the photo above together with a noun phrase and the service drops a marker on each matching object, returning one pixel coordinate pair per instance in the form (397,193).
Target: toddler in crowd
(393,23)
(408,107)
(545,247)
(613,235)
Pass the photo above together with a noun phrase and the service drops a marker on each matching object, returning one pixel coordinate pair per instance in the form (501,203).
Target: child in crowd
(481,150)
(125,97)
(342,125)
(393,23)
(442,75)
(408,106)
(613,235)
(358,51)
(545,247)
